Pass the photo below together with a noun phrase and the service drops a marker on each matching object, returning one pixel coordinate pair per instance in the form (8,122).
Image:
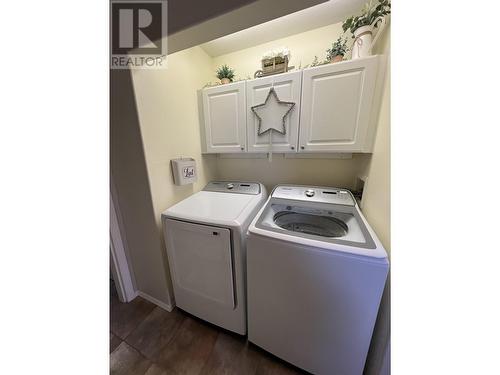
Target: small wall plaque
(184,171)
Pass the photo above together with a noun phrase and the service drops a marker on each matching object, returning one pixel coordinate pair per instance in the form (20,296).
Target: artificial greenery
(218,83)
(315,61)
(339,48)
(372,14)
(225,72)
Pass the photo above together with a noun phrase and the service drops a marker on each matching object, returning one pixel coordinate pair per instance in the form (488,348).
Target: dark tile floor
(147,340)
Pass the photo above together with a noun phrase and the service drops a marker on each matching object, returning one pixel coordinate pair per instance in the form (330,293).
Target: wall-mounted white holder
(184,171)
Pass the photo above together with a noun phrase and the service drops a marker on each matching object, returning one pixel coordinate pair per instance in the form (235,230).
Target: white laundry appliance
(205,240)
(315,276)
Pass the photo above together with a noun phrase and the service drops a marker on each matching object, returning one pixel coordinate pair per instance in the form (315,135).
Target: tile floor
(147,340)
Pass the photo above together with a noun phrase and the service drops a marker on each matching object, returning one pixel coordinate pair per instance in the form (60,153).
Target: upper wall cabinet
(336,110)
(287,86)
(337,107)
(224,118)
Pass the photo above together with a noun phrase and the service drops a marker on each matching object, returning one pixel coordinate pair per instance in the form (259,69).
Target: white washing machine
(205,239)
(315,276)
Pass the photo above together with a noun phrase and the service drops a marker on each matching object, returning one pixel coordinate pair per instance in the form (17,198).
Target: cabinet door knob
(302,147)
(292,147)
(243,149)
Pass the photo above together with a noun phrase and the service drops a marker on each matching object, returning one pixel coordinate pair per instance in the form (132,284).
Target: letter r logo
(138,34)
(137,27)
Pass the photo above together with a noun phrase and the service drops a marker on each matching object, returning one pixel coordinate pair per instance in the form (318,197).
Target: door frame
(120,267)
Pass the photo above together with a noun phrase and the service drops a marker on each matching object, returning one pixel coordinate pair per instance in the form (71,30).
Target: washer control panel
(315,194)
(310,193)
(233,187)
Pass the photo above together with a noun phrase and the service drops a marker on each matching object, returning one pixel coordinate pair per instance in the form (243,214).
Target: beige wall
(303,47)
(167,106)
(168,113)
(168,116)
(133,191)
(335,172)
(377,194)
(321,172)
(376,206)
(329,172)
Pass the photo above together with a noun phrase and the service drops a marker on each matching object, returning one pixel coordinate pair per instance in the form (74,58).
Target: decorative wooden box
(275,65)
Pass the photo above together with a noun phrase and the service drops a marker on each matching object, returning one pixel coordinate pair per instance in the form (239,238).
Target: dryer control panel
(235,187)
(315,194)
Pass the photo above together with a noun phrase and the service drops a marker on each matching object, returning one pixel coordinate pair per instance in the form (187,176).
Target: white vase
(364,40)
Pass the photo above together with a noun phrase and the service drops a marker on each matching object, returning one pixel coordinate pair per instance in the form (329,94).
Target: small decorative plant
(338,50)
(372,14)
(315,62)
(225,74)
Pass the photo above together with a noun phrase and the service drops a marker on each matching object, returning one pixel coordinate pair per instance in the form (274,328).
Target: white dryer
(315,276)
(205,240)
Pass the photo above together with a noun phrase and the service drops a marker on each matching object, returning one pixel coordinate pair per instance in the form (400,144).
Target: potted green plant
(362,26)
(225,74)
(338,50)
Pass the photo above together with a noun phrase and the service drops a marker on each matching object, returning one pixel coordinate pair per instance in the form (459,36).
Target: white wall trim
(120,266)
(318,155)
(288,155)
(124,295)
(245,155)
(157,302)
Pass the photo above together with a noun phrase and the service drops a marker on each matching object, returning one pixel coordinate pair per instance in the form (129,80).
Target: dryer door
(200,261)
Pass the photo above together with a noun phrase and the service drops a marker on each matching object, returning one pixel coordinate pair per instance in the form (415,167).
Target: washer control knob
(310,193)
(230,186)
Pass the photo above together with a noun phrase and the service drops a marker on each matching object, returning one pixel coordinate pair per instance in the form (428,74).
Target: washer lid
(215,208)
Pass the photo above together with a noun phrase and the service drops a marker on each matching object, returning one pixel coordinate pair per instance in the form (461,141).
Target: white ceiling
(324,14)
(254,13)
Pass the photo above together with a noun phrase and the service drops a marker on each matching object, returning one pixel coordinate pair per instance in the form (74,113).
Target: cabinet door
(336,105)
(287,87)
(224,117)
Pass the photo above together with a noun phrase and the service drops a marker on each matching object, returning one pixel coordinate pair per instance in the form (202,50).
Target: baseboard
(132,295)
(157,302)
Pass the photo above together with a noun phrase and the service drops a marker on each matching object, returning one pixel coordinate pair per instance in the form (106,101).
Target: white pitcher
(364,40)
